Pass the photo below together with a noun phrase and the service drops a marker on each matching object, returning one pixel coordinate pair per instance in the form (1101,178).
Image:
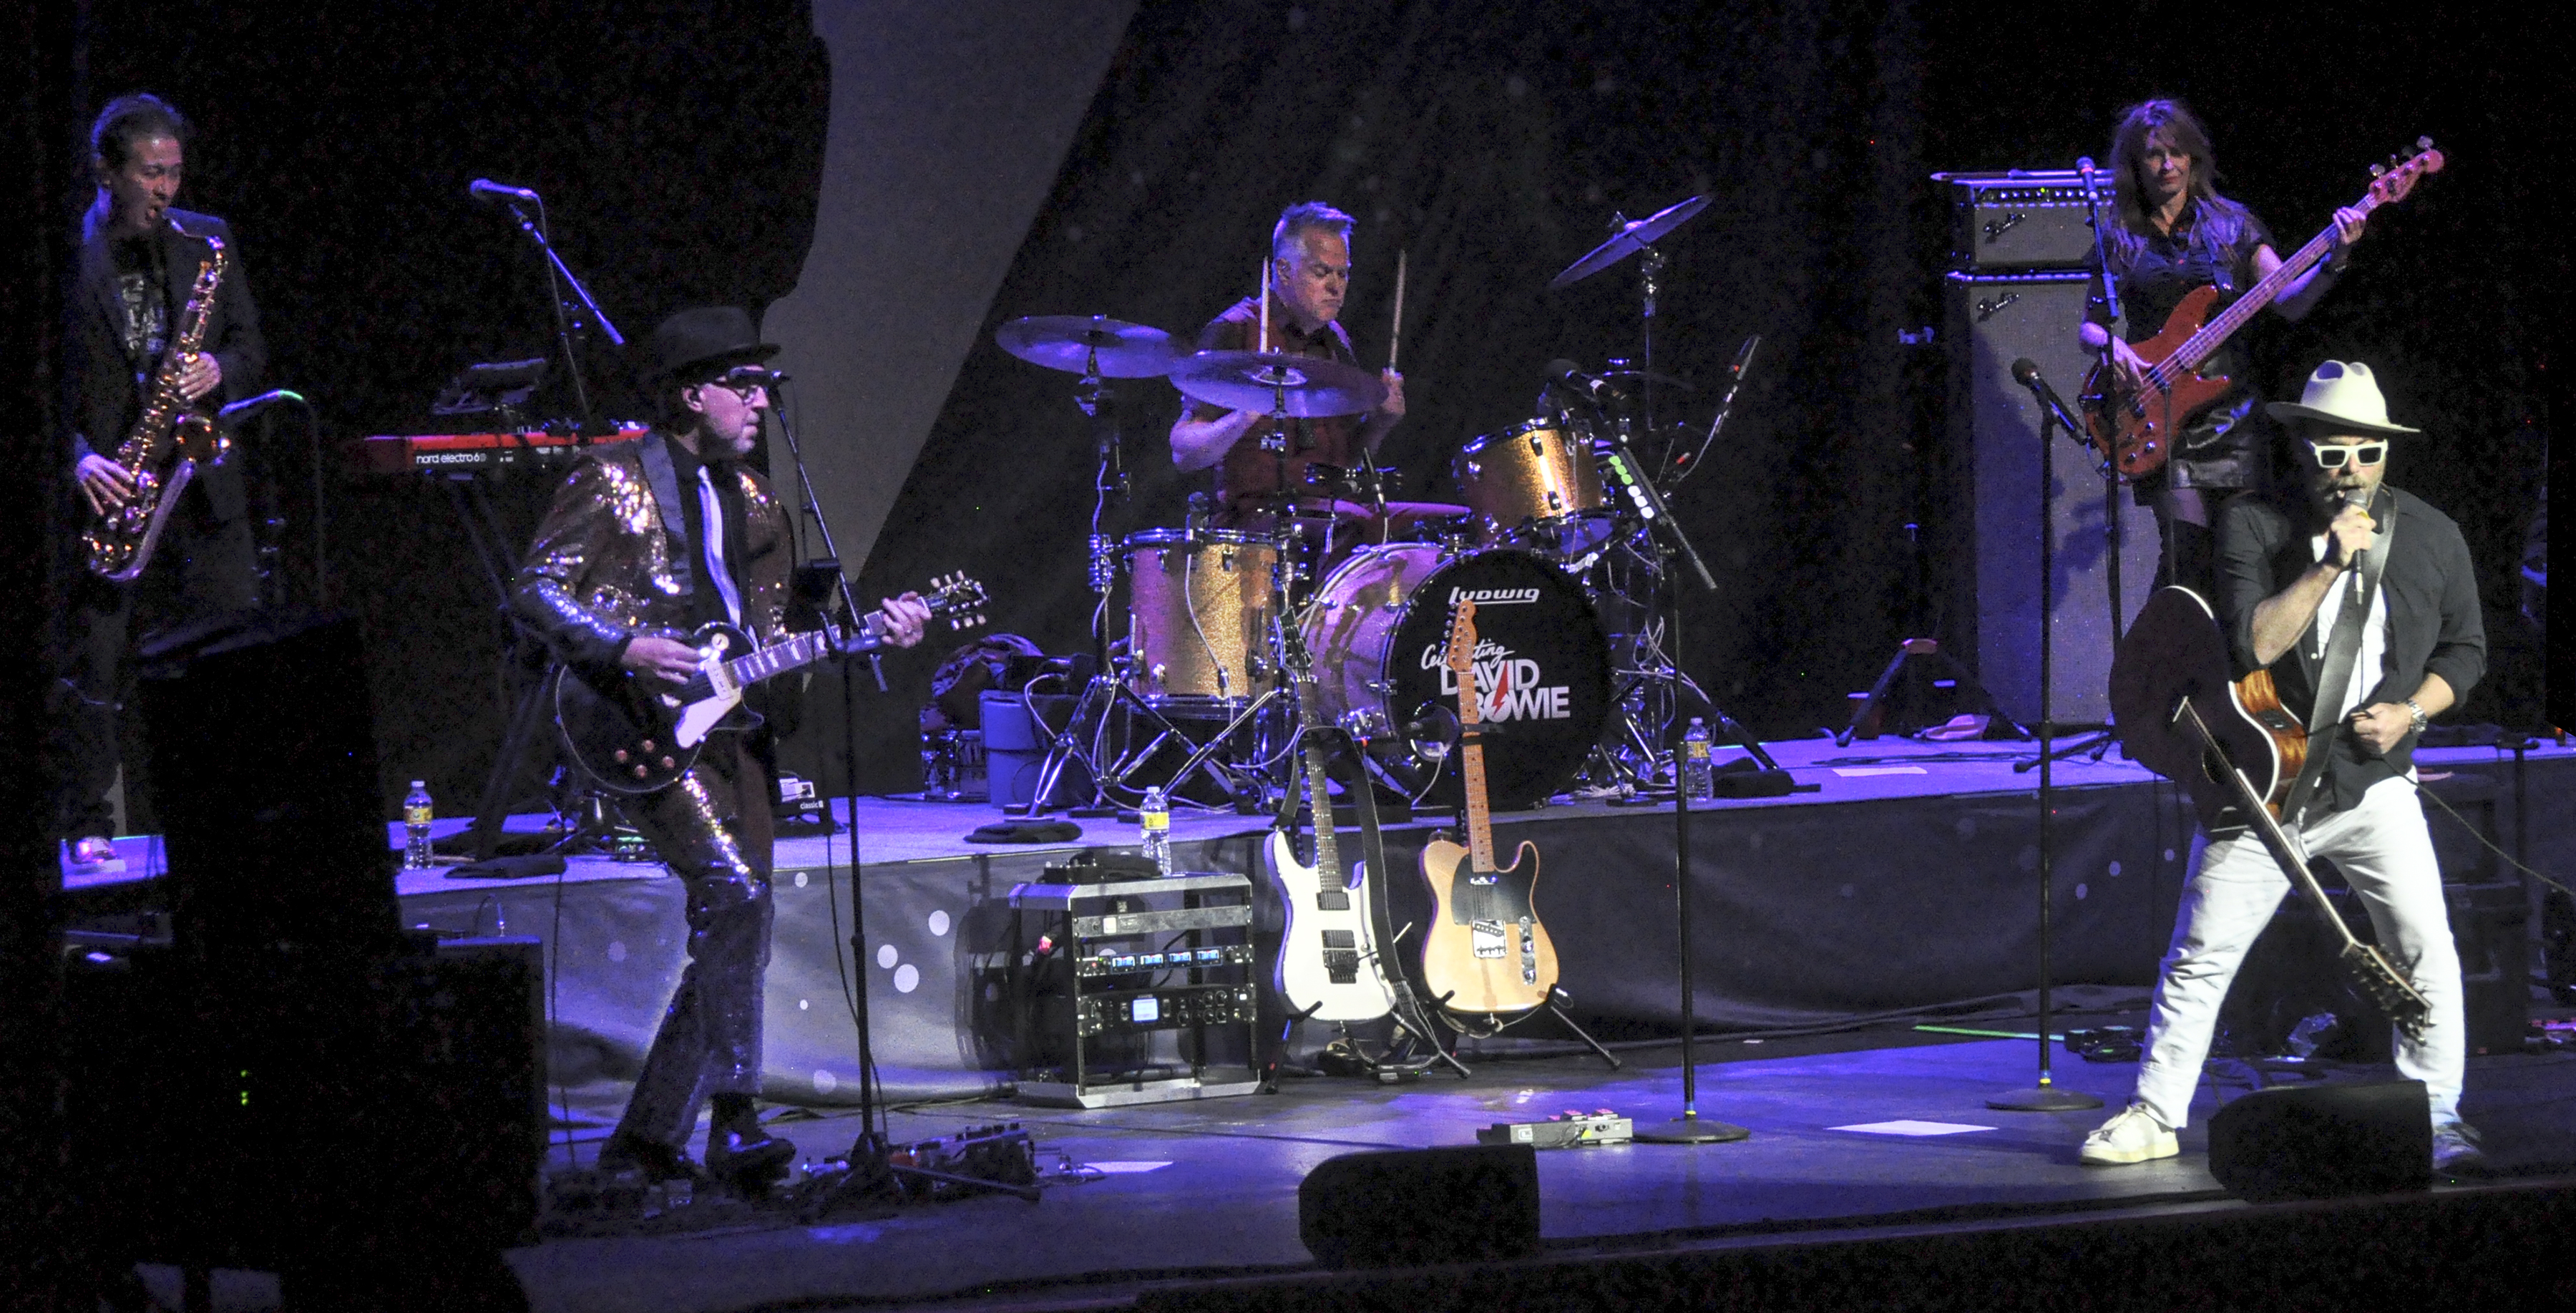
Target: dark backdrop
(1492,142)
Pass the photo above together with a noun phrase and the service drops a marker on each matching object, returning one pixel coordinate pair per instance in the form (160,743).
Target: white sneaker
(2133,1136)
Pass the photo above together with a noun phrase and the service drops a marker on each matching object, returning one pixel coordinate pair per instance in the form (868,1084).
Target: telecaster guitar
(633,735)
(2134,429)
(1329,967)
(1486,952)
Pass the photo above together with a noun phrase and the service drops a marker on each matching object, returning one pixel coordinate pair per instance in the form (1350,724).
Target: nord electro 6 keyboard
(438,452)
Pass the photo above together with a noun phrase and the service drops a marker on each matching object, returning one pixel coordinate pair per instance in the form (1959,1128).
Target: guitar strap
(664,479)
(2343,648)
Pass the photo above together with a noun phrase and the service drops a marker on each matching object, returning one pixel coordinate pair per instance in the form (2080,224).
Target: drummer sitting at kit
(1310,272)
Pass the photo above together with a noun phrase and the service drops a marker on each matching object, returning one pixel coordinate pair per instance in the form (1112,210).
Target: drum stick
(1263,342)
(1395,335)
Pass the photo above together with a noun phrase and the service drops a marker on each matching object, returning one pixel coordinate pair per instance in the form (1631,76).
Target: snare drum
(1379,629)
(1535,486)
(1199,617)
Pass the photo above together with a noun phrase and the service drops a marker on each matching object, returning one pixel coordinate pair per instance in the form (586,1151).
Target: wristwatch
(2414,717)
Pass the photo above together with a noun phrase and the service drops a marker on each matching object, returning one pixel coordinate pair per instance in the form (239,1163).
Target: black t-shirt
(143,292)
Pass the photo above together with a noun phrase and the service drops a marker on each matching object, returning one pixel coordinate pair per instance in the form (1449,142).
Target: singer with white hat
(2288,567)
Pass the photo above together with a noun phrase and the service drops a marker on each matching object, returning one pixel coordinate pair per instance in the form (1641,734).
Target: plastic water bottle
(1156,815)
(416,813)
(1698,781)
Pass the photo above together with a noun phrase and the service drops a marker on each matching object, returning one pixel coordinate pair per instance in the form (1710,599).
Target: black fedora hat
(706,338)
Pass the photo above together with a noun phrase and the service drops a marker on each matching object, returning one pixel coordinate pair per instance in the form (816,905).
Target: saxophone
(167,444)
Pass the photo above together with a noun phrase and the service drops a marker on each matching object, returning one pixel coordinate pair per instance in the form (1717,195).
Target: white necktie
(711,515)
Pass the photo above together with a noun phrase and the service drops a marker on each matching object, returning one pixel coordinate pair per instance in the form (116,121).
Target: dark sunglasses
(2332,455)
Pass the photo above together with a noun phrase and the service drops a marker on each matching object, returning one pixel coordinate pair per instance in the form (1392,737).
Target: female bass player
(2171,233)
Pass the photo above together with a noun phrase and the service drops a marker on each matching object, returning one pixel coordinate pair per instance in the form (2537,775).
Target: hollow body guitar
(1329,966)
(2183,718)
(2134,429)
(633,735)
(1485,952)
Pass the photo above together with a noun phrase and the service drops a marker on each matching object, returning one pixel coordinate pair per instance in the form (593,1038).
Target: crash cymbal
(1253,380)
(1073,342)
(1635,237)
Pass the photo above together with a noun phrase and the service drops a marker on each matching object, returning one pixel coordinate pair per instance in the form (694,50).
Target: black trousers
(203,567)
(715,832)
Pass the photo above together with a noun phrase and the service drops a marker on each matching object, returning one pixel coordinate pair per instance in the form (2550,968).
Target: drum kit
(1555,541)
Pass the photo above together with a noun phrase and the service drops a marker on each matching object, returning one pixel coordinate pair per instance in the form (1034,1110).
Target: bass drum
(1380,626)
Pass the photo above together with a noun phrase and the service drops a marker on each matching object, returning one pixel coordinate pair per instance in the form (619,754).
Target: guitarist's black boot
(740,1151)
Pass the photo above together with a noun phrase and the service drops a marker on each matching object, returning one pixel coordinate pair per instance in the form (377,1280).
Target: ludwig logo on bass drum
(1492,596)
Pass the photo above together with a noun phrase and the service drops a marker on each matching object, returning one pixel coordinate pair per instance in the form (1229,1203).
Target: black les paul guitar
(633,734)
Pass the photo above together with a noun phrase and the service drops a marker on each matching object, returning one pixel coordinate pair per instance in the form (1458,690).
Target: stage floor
(1196,1191)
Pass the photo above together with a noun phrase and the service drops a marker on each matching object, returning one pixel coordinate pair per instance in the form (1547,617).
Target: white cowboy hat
(2343,396)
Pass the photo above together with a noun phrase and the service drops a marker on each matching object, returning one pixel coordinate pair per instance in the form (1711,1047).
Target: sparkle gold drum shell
(1199,617)
(1535,486)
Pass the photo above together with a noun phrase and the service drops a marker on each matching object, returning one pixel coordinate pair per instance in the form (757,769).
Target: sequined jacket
(610,558)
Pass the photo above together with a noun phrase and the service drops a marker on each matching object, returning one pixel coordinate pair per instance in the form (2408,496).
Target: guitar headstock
(1461,660)
(956,600)
(2393,180)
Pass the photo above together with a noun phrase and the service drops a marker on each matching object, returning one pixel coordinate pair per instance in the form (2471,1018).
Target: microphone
(2358,499)
(231,417)
(1595,389)
(488,191)
(2025,371)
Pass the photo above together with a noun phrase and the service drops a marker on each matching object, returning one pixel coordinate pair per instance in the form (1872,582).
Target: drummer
(1310,273)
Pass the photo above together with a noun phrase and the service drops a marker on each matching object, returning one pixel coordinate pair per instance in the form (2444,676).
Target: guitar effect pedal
(1563,1131)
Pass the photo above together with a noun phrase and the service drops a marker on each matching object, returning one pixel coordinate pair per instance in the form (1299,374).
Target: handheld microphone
(2025,371)
(488,191)
(1594,388)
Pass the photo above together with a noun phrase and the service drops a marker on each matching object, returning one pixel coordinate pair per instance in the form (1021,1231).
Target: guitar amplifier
(2022,218)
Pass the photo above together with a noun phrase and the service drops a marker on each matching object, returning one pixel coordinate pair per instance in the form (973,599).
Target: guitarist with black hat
(2358,593)
(644,542)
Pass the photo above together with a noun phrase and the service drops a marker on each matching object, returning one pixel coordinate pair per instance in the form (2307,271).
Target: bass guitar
(1329,967)
(2183,718)
(1485,952)
(2134,430)
(632,734)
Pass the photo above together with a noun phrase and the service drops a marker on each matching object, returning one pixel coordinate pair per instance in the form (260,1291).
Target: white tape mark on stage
(1857,772)
(1911,1128)
(1125,1168)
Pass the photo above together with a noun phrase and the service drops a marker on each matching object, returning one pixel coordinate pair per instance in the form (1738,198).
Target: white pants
(2386,854)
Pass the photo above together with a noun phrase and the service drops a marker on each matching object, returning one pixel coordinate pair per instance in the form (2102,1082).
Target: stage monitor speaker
(2324,1141)
(1416,1207)
(264,762)
(1991,537)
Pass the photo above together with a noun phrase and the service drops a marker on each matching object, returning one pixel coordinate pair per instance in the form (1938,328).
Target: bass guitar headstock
(2391,182)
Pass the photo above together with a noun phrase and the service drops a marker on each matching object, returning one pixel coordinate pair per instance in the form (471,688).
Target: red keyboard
(476,451)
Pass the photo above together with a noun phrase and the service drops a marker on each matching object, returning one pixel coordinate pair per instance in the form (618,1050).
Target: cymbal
(1631,239)
(1068,343)
(1252,380)
(1651,376)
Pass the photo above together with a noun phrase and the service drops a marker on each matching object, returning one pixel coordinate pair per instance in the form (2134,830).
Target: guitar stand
(2096,743)
(1580,1033)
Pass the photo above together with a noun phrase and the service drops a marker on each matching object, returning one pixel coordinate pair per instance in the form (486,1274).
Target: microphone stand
(872,1138)
(1689,1128)
(559,276)
(2046,1097)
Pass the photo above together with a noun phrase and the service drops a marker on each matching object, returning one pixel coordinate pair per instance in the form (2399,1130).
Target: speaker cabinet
(2324,1141)
(1992,532)
(1412,1207)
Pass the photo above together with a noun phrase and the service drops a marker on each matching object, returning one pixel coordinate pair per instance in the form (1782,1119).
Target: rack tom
(1536,486)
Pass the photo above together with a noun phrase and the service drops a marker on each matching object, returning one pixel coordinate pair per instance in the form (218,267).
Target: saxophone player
(135,265)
